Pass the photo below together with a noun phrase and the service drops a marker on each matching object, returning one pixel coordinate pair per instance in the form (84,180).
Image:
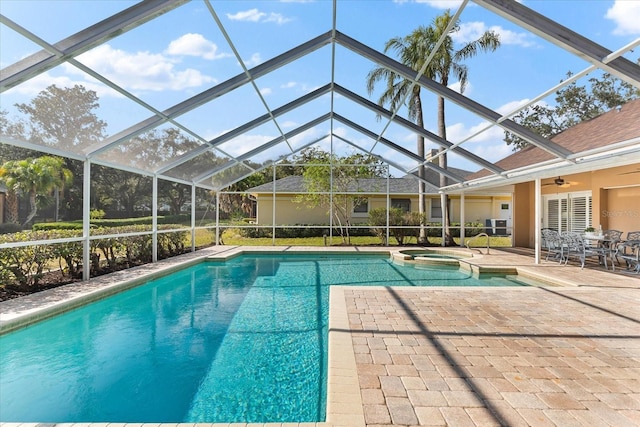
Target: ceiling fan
(560,182)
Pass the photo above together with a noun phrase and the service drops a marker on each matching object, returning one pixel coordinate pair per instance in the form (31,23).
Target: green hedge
(26,265)
(410,223)
(48,226)
(299,231)
(147,220)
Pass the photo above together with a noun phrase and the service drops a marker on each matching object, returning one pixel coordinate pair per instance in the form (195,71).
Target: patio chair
(552,242)
(575,246)
(610,239)
(633,235)
(629,251)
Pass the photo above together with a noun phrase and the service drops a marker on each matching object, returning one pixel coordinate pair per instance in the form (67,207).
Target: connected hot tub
(433,256)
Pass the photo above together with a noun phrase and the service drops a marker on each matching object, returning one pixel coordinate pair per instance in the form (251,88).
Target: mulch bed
(50,280)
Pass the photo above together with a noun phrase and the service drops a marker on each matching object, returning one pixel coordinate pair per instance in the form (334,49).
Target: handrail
(476,236)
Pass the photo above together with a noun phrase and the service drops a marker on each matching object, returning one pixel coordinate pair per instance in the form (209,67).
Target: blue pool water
(237,341)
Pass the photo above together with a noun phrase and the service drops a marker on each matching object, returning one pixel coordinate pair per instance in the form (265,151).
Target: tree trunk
(34,208)
(446,218)
(422,206)
(12,207)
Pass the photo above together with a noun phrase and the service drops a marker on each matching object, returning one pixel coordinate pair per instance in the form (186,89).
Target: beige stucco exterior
(288,211)
(615,196)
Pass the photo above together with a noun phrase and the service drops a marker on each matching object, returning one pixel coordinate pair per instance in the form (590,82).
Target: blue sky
(183,53)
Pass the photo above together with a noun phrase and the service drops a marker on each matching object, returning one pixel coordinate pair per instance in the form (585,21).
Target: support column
(193,218)
(273,208)
(217,217)
(462,219)
(443,214)
(538,219)
(86,220)
(154,220)
(388,203)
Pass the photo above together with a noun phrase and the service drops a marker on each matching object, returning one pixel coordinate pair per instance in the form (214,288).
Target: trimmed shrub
(26,264)
(48,226)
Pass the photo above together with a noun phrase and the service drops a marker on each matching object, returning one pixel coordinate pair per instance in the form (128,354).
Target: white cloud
(510,106)
(470,31)
(254,15)
(195,45)
(245,143)
(456,87)
(288,124)
(37,84)
(142,71)
(626,15)
(251,15)
(266,91)
(277,18)
(289,85)
(253,61)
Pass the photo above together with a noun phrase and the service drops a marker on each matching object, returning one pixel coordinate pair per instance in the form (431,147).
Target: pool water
(237,341)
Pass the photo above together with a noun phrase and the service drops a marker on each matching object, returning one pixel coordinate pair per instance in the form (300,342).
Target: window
(436,209)
(360,205)
(404,204)
(568,212)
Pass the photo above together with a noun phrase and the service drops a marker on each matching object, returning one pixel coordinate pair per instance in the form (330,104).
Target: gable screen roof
(260,133)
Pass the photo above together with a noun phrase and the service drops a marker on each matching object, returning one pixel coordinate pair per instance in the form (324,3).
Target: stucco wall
(477,208)
(615,201)
(524,215)
(289,212)
(621,210)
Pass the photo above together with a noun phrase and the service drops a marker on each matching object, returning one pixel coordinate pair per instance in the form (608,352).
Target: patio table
(602,241)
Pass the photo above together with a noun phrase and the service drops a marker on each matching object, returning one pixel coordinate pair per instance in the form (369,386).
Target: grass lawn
(232,237)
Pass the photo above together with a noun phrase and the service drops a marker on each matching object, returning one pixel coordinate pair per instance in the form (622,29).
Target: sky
(184,52)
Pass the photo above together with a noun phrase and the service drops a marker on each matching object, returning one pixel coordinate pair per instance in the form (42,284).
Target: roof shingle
(618,125)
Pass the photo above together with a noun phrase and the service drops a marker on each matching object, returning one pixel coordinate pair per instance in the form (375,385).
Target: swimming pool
(237,341)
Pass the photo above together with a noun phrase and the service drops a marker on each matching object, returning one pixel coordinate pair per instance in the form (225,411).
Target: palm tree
(33,177)
(413,50)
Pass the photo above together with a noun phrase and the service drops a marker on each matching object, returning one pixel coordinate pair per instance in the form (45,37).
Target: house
(371,193)
(606,197)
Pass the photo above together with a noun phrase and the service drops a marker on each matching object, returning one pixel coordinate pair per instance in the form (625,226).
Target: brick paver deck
(497,356)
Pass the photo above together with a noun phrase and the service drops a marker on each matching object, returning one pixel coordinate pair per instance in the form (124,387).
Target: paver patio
(529,356)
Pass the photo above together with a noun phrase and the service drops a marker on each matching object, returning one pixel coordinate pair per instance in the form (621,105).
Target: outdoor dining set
(608,245)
